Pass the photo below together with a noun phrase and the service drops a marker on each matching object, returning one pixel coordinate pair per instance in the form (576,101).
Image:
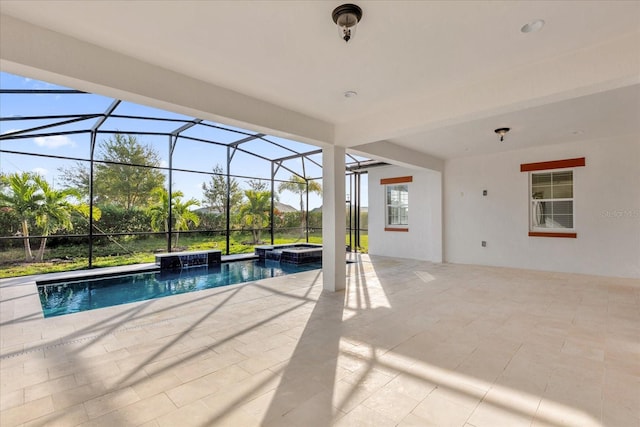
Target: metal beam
(295,156)
(10,136)
(276,169)
(185,127)
(105,115)
(306,211)
(365,164)
(174,135)
(50,117)
(247,139)
(38,91)
(50,125)
(228,201)
(273,207)
(172,140)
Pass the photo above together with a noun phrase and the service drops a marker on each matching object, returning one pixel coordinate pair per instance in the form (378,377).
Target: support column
(334,268)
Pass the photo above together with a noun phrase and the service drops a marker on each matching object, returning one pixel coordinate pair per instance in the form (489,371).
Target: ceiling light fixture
(532,26)
(346,18)
(350,94)
(502,132)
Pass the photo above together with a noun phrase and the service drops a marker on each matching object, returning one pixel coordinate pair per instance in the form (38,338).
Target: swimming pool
(88,294)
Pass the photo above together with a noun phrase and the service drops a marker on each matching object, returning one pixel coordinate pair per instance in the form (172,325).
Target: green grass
(130,251)
(26,269)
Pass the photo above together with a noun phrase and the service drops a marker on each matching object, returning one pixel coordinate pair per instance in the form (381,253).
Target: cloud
(54,141)
(164,164)
(40,171)
(36,84)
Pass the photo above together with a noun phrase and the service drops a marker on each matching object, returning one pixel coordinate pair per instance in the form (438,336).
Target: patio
(407,343)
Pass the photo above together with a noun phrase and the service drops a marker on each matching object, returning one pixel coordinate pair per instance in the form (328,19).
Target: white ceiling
(434,76)
(599,116)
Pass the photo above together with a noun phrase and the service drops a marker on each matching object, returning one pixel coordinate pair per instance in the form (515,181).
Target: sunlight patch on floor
(424,276)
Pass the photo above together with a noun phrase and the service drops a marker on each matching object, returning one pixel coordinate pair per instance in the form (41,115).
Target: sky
(187,154)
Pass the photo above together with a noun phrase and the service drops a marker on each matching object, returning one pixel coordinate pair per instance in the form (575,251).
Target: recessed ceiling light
(532,26)
(350,94)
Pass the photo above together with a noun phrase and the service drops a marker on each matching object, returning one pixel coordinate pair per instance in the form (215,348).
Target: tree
(54,213)
(181,213)
(77,177)
(20,194)
(215,192)
(33,199)
(183,216)
(84,209)
(125,173)
(255,211)
(300,186)
(258,185)
(159,211)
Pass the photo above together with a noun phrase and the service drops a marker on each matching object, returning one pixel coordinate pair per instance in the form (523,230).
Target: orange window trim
(543,234)
(555,164)
(396,180)
(396,229)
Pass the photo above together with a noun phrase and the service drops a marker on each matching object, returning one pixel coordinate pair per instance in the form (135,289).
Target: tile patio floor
(409,343)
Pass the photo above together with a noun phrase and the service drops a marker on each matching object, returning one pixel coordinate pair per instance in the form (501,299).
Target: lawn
(126,252)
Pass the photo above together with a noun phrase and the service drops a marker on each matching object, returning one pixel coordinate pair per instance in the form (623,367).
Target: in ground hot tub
(295,253)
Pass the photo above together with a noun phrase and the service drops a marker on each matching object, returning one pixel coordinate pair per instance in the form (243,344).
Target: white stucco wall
(606,206)
(424,239)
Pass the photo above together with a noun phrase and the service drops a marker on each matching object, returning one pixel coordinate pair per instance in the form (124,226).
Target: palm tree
(300,186)
(55,211)
(21,195)
(84,209)
(255,212)
(159,211)
(182,215)
(181,212)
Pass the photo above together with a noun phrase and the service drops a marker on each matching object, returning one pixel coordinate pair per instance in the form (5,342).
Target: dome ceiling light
(346,18)
(502,132)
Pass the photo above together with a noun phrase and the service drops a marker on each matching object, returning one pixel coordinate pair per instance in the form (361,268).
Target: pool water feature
(62,298)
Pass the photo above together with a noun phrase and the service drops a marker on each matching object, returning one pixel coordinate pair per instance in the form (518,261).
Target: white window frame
(534,203)
(400,205)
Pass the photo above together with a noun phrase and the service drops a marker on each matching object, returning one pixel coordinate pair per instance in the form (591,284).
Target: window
(397,205)
(551,207)
(396,202)
(551,197)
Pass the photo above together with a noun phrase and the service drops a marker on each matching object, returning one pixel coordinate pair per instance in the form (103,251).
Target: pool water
(88,294)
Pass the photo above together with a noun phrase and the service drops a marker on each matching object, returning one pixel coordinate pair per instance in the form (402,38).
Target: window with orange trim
(551,207)
(397,197)
(552,201)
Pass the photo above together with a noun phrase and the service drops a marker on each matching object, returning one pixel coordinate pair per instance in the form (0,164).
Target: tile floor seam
(475,408)
(51,345)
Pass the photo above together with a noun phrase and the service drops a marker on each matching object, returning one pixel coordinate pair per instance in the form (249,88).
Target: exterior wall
(606,210)
(423,241)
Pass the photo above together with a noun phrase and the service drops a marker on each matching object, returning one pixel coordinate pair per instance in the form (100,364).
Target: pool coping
(48,278)
(19,294)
